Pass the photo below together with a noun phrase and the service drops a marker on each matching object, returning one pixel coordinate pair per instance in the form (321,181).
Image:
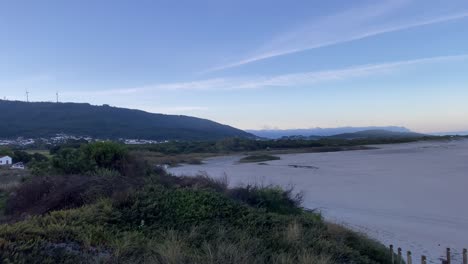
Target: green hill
(21,119)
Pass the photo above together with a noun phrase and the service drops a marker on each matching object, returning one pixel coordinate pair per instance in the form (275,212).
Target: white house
(6,160)
(18,166)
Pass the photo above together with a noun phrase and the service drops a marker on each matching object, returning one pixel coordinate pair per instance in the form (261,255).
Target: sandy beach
(413,195)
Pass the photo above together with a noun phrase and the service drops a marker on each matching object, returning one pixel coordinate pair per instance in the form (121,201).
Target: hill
(451,133)
(320,132)
(33,120)
(377,134)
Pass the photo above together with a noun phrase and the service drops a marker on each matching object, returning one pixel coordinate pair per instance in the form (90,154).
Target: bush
(71,161)
(40,168)
(21,156)
(43,194)
(40,195)
(271,198)
(90,158)
(90,173)
(201,181)
(107,155)
(167,225)
(38,157)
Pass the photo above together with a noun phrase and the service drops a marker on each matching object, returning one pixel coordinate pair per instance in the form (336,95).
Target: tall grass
(197,223)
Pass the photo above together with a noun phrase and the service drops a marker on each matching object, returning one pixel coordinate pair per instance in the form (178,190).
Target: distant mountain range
(34,120)
(323,132)
(456,133)
(377,134)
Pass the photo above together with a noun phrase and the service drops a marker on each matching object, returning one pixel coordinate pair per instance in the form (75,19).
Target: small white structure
(5,161)
(17,166)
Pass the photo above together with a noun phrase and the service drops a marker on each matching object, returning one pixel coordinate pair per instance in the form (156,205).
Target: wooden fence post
(409,259)
(465,256)
(399,256)
(423,259)
(448,256)
(391,254)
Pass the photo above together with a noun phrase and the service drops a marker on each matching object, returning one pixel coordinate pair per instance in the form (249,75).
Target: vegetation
(37,120)
(193,152)
(258,158)
(233,145)
(3,199)
(109,214)
(172,160)
(23,156)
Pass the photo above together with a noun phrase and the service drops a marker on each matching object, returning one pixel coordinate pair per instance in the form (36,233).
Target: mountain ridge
(321,132)
(377,133)
(43,119)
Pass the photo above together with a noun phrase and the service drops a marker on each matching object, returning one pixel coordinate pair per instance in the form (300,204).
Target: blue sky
(250,64)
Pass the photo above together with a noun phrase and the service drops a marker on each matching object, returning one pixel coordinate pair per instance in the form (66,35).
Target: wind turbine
(27,96)
(57,95)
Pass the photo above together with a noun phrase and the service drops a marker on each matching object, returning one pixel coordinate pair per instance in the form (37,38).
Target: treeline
(77,158)
(23,156)
(93,158)
(241,144)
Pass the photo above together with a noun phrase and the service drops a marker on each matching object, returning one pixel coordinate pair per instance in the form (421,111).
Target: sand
(414,196)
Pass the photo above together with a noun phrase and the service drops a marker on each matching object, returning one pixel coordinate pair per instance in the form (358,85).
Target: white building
(18,166)
(6,160)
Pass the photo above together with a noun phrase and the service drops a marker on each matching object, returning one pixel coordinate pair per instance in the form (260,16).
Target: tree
(91,157)
(5,152)
(40,157)
(108,155)
(70,161)
(21,156)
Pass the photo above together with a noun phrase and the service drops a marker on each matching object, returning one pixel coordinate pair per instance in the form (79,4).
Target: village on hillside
(63,138)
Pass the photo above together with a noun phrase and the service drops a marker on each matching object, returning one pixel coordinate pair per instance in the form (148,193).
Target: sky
(249,64)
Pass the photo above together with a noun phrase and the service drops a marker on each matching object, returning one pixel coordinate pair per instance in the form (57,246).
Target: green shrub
(180,225)
(21,156)
(91,157)
(103,172)
(40,168)
(271,198)
(71,161)
(106,155)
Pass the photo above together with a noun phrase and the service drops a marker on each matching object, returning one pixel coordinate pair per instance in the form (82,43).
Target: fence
(397,258)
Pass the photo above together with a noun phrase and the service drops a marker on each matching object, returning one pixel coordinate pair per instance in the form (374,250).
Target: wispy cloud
(285,80)
(350,25)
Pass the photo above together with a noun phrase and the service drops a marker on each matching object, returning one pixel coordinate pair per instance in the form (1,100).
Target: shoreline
(394,193)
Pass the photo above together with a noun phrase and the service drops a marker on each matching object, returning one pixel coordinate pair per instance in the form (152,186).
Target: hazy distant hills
(323,132)
(452,133)
(21,119)
(377,134)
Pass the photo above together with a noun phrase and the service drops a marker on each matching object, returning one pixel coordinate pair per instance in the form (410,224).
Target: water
(413,196)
